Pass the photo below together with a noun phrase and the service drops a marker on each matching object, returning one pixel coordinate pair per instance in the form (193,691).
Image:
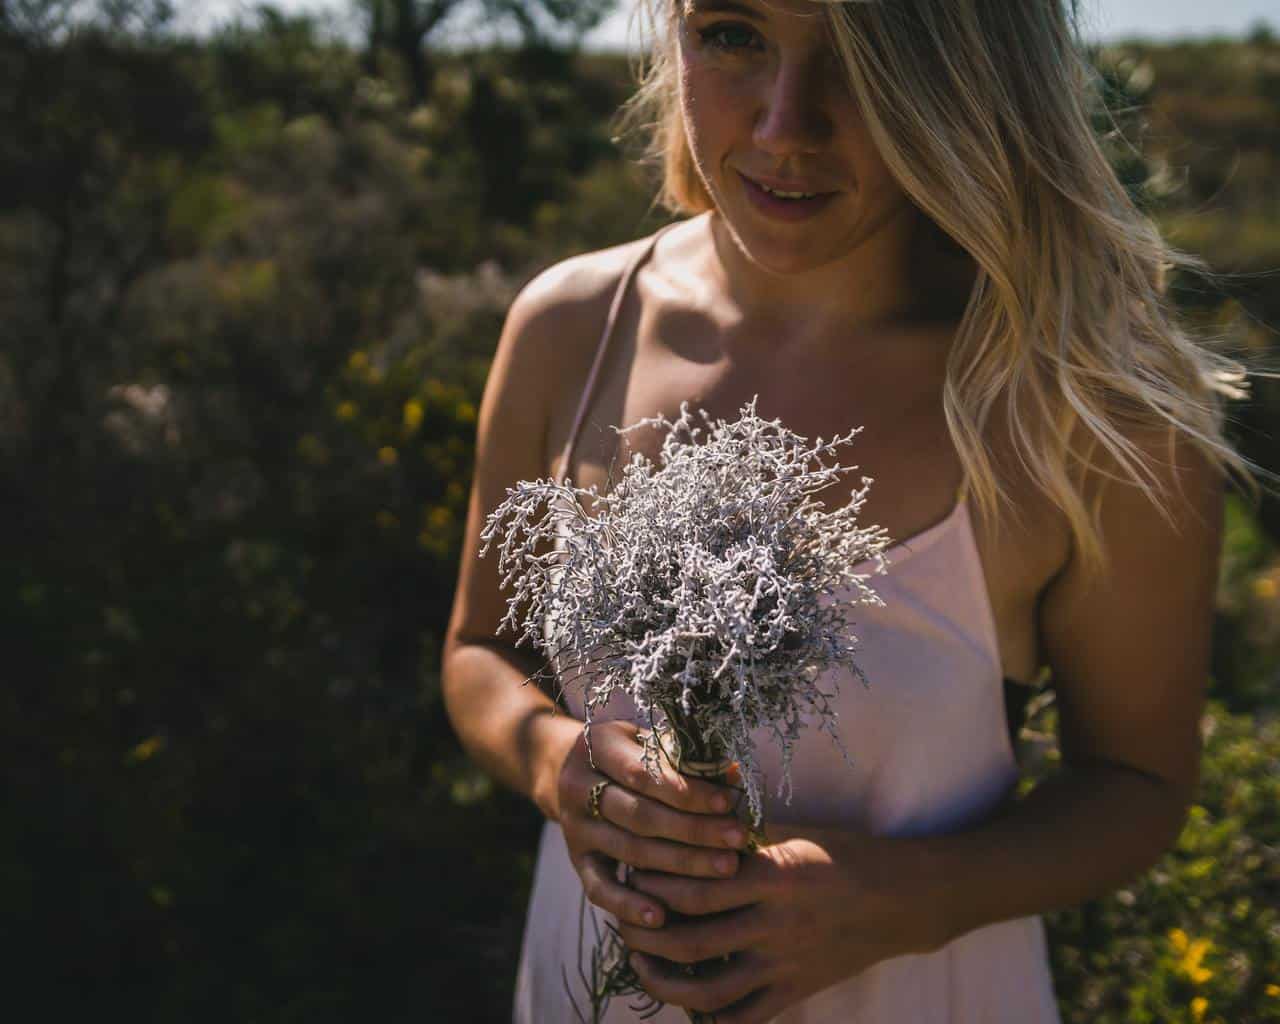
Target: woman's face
(766,102)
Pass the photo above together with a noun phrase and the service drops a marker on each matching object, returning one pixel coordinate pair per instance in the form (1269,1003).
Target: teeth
(789,195)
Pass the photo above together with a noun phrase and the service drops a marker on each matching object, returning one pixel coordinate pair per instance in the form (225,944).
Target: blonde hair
(981,111)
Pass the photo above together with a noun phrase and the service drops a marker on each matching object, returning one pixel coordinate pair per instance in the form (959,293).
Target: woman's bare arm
(515,732)
(1130,657)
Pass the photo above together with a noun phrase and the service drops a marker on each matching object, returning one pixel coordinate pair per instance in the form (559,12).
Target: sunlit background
(1106,19)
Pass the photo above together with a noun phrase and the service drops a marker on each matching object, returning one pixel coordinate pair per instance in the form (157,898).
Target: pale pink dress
(931,753)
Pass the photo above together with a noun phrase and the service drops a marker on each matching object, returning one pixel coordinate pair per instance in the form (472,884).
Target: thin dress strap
(602,348)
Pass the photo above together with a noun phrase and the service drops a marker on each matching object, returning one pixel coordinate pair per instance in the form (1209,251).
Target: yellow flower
(388,456)
(1273,991)
(1198,1005)
(413,413)
(147,749)
(1265,588)
(1201,867)
(347,410)
(1190,963)
(439,517)
(358,360)
(386,520)
(465,411)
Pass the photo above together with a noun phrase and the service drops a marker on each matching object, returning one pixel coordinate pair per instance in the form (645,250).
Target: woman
(900,220)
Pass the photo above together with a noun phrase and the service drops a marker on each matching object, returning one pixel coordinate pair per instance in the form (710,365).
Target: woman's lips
(788,210)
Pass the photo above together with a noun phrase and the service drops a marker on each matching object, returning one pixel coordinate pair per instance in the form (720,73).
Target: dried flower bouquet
(695,590)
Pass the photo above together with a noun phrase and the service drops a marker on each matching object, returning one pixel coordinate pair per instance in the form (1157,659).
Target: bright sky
(1110,18)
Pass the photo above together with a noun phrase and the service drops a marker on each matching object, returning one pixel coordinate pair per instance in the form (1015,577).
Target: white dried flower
(695,589)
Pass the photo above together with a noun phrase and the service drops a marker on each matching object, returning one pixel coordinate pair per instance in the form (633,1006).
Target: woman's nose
(793,115)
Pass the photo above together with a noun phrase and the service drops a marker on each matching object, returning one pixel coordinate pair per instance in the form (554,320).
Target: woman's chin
(783,257)
(783,249)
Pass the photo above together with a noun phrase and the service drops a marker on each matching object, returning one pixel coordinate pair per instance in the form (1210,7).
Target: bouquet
(696,591)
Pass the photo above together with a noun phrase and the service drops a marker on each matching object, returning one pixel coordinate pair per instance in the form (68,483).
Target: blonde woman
(898,218)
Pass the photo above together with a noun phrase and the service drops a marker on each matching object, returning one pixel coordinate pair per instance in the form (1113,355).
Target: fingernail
(725,863)
(649,916)
(734,836)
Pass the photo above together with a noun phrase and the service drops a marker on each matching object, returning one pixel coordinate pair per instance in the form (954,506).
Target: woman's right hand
(679,825)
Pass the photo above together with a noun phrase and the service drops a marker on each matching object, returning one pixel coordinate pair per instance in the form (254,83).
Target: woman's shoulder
(580,286)
(554,325)
(557,316)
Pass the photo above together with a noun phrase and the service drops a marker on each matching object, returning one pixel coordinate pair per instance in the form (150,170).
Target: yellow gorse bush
(413,413)
(147,749)
(1193,952)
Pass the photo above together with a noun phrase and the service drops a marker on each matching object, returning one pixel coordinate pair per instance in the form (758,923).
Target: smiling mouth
(785,193)
(786,207)
(789,195)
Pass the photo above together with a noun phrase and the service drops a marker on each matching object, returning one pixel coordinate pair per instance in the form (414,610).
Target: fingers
(698,939)
(647,817)
(697,897)
(603,889)
(716,986)
(617,754)
(657,854)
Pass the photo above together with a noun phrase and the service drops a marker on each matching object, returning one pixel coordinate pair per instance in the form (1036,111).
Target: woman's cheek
(695,104)
(710,99)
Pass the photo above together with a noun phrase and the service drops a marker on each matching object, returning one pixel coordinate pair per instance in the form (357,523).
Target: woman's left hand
(800,915)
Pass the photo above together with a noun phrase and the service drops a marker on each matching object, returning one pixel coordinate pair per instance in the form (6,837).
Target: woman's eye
(727,36)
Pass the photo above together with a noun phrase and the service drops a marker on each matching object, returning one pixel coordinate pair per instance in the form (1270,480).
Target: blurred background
(254,261)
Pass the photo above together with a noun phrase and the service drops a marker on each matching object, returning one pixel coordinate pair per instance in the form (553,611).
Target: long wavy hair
(981,109)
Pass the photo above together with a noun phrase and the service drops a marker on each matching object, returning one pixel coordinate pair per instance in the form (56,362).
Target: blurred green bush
(1197,938)
(250,294)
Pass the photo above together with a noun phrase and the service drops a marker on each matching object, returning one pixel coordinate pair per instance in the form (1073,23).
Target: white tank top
(931,751)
